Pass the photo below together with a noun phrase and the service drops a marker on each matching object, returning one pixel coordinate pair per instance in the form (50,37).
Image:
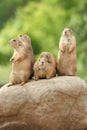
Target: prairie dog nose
(65,32)
(42,62)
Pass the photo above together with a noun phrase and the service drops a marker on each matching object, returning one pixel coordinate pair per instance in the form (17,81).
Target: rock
(56,104)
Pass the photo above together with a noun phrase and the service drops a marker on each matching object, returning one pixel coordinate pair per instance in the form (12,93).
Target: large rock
(56,104)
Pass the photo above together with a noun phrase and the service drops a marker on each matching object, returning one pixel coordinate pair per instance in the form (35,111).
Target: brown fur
(66,64)
(45,66)
(26,40)
(22,62)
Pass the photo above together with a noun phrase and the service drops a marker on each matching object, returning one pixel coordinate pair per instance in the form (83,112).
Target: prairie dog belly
(42,73)
(21,66)
(20,69)
(66,42)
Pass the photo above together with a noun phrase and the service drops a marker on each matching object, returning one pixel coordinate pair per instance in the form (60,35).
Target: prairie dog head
(67,32)
(24,38)
(41,61)
(47,56)
(16,44)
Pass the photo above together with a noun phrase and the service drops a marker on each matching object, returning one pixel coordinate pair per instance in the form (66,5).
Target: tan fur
(45,66)
(26,40)
(22,62)
(66,64)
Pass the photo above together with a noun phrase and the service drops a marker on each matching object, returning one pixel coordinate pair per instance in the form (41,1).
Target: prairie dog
(49,58)
(45,66)
(22,66)
(66,64)
(26,40)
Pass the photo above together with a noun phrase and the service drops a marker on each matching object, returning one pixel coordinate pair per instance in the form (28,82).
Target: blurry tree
(8,7)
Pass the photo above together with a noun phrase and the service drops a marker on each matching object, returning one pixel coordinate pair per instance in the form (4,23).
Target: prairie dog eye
(20,35)
(14,40)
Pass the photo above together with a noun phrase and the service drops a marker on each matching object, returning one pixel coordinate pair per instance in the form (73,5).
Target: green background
(43,21)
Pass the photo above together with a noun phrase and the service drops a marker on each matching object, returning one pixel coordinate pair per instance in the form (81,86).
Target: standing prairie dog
(22,62)
(45,66)
(66,64)
(26,40)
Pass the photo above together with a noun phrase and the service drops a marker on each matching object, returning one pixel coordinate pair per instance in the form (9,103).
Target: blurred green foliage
(43,21)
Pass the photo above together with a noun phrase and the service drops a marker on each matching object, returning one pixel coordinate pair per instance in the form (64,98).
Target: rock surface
(56,104)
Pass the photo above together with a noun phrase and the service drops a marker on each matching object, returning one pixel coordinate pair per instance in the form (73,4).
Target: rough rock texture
(56,104)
